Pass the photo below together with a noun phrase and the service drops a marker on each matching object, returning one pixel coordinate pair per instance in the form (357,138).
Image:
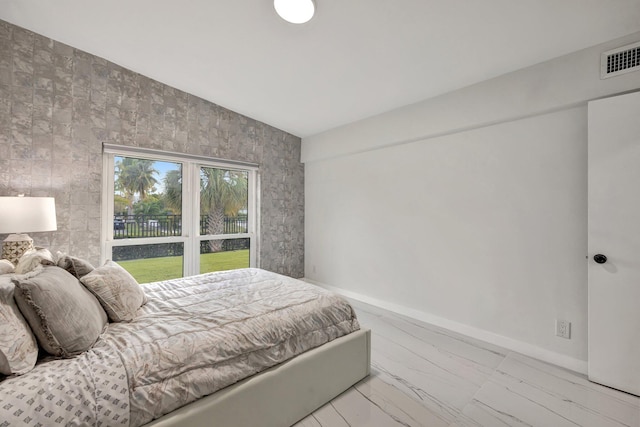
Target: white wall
(469,210)
(559,83)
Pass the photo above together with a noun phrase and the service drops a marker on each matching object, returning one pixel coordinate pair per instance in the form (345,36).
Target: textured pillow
(76,266)
(18,347)
(65,317)
(32,258)
(6,266)
(117,290)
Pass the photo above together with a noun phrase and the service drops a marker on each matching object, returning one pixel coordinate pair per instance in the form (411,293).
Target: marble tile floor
(423,375)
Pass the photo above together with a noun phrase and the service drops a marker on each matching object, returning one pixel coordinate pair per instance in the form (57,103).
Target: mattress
(195,336)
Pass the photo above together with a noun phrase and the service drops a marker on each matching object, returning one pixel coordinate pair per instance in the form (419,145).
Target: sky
(162,168)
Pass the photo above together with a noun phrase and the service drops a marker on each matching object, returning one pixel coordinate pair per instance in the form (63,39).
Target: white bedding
(195,336)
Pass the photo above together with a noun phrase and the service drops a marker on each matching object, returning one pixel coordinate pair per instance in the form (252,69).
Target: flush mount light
(295,11)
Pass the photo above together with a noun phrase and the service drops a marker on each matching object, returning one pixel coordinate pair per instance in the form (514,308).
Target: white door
(614,233)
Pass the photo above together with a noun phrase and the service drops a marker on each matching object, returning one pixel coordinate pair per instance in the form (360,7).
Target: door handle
(600,259)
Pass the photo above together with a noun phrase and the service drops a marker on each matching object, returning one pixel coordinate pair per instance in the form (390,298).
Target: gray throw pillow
(117,290)
(18,347)
(76,266)
(65,317)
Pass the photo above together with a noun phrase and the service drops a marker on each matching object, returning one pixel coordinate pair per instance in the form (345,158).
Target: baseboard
(522,347)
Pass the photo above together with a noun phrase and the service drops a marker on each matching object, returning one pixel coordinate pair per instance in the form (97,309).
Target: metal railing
(137,226)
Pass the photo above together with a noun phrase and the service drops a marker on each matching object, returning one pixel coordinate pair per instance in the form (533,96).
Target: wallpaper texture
(59,104)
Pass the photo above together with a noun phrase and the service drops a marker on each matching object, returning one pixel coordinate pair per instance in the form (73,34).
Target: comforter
(195,336)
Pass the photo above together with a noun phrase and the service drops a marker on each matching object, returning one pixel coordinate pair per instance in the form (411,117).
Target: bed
(243,347)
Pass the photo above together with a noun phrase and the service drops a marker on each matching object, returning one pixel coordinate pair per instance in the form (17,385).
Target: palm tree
(173,190)
(135,176)
(223,193)
(173,197)
(123,182)
(142,177)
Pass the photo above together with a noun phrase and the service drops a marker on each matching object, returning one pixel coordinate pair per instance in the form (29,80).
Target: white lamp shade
(295,11)
(27,214)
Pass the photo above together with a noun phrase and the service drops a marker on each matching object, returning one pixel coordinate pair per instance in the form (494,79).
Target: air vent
(618,61)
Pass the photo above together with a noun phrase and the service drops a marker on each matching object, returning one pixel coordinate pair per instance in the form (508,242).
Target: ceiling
(354,59)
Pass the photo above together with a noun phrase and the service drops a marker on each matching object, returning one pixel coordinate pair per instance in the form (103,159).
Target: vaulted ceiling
(354,59)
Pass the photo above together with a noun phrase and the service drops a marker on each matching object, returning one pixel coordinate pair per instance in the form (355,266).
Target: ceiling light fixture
(295,11)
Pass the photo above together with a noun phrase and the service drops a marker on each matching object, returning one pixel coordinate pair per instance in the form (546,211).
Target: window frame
(190,234)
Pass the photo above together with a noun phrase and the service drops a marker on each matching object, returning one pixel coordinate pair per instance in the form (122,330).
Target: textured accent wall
(59,104)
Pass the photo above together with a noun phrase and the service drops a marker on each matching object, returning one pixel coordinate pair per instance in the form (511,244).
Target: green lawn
(155,269)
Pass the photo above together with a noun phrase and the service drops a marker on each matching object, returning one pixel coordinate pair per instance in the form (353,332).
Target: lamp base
(15,245)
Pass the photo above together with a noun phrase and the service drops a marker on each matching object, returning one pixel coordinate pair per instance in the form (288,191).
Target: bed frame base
(284,394)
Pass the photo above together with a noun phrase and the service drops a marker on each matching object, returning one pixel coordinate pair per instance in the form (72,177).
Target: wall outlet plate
(563,329)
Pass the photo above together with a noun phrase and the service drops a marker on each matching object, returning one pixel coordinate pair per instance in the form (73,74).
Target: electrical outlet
(563,329)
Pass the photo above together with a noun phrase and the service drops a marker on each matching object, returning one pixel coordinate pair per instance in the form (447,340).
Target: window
(166,215)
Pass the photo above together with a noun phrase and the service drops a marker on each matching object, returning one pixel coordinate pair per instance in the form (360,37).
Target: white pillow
(33,258)
(6,266)
(18,347)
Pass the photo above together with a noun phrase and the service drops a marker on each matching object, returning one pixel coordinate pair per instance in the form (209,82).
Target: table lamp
(24,215)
